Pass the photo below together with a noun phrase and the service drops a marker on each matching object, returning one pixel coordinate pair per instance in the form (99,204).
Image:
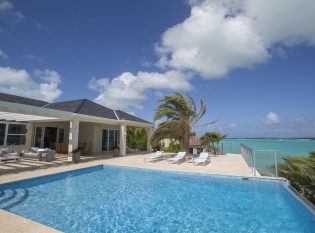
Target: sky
(251,61)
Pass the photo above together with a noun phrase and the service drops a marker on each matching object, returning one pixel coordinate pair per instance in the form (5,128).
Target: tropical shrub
(211,141)
(137,138)
(300,171)
(173,147)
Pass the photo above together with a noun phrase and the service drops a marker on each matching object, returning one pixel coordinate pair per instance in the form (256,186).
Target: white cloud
(128,90)
(5,5)
(217,37)
(48,75)
(20,82)
(34,57)
(220,36)
(3,55)
(232,126)
(271,118)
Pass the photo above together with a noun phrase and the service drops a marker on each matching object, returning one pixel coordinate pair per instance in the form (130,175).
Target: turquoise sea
(284,147)
(265,159)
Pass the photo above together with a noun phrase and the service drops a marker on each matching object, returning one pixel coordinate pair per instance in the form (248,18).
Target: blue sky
(253,62)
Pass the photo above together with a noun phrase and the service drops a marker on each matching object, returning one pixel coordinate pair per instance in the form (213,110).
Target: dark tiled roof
(126,116)
(81,106)
(84,106)
(21,100)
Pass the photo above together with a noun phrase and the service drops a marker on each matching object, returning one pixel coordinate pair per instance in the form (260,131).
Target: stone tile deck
(230,164)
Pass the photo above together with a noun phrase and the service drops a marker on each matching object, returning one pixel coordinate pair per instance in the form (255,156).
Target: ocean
(265,159)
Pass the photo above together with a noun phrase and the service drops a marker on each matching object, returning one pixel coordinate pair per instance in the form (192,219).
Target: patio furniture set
(47,155)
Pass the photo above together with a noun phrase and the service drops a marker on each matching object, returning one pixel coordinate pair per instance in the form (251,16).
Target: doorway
(50,137)
(46,137)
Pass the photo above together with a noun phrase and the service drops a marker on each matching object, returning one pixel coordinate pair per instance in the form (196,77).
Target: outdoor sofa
(40,154)
(8,154)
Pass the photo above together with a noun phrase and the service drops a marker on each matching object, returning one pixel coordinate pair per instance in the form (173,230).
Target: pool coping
(13,223)
(19,222)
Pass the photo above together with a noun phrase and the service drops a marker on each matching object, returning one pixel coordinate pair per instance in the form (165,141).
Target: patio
(230,164)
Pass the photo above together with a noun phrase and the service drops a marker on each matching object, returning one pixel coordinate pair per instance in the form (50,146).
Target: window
(110,139)
(16,134)
(17,129)
(2,133)
(117,137)
(61,135)
(38,137)
(16,140)
(105,140)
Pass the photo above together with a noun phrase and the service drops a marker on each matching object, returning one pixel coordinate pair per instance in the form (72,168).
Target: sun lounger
(180,156)
(132,150)
(203,158)
(156,156)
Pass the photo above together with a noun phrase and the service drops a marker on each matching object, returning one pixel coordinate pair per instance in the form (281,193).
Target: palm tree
(219,137)
(212,138)
(181,115)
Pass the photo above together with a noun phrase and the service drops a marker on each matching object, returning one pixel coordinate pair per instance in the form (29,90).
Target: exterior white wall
(86,134)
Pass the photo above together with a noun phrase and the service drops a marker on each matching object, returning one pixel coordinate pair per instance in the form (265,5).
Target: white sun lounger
(180,156)
(156,156)
(203,158)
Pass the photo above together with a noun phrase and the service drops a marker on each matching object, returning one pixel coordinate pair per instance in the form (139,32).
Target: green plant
(173,147)
(300,171)
(211,141)
(137,138)
(179,112)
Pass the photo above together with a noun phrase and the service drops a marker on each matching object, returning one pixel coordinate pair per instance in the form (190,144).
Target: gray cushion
(5,150)
(34,149)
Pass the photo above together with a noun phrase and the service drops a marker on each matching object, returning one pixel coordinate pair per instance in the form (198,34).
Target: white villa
(26,122)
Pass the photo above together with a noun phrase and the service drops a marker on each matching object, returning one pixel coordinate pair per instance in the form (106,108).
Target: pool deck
(230,164)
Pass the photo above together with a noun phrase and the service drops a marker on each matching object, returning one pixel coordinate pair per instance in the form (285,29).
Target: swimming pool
(120,199)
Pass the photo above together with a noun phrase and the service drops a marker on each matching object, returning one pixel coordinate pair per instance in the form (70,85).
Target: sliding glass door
(46,137)
(38,137)
(110,139)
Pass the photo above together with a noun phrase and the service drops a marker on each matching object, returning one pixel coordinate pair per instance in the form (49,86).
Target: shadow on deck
(30,164)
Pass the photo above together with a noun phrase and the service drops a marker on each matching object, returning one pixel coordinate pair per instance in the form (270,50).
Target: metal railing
(262,162)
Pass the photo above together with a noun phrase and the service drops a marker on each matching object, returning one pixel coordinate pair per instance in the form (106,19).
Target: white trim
(116,115)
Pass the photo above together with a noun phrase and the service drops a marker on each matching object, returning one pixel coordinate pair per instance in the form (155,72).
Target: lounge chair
(203,158)
(180,156)
(85,148)
(132,150)
(156,156)
(8,154)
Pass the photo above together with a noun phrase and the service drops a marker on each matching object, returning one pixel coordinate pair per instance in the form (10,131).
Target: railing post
(276,164)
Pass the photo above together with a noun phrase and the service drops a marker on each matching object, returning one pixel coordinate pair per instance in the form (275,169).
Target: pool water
(118,199)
